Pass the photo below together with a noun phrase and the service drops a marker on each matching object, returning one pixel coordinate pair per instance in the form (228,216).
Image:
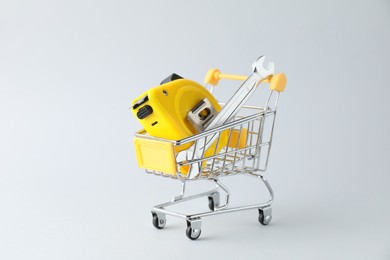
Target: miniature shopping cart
(249,139)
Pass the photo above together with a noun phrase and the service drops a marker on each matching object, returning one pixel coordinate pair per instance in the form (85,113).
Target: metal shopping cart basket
(246,152)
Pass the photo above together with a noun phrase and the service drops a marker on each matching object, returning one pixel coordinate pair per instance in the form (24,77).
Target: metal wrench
(259,73)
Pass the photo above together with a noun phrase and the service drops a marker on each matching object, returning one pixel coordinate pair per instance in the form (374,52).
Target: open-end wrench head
(258,66)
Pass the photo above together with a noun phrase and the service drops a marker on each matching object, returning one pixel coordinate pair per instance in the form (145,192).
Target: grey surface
(69,184)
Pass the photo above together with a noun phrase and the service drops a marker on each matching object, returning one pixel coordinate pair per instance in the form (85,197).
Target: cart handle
(278,81)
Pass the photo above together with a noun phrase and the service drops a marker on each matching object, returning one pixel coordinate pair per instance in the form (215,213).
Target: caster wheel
(265,216)
(192,233)
(158,221)
(213,201)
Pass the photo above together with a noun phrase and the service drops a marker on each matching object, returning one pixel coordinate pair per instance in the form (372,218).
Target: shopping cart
(246,152)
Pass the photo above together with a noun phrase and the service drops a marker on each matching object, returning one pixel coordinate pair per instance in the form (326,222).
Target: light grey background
(69,184)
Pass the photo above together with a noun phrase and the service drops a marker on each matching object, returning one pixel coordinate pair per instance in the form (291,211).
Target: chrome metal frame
(248,160)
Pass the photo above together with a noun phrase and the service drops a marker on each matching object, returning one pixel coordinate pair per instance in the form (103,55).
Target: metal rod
(230,152)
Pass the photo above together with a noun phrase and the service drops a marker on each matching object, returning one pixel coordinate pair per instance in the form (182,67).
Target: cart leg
(193,230)
(183,191)
(265,212)
(268,186)
(227,192)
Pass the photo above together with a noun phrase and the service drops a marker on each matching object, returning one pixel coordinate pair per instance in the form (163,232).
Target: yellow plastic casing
(155,155)
(278,82)
(171,103)
(214,75)
(238,138)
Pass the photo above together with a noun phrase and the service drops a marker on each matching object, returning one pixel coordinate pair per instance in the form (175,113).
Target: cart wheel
(158,220)
(213,201)
(192,233)
(265,216)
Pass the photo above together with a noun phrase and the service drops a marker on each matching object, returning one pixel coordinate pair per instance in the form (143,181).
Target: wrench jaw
(257,63)
(259,68)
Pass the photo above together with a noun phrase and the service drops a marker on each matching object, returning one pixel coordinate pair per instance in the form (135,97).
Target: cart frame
(246,152)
